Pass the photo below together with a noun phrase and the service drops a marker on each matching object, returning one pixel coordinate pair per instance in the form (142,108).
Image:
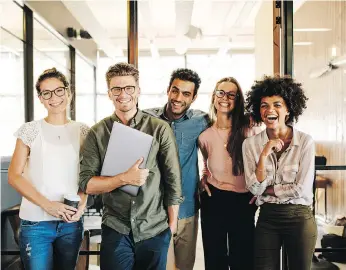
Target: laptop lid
(126,145)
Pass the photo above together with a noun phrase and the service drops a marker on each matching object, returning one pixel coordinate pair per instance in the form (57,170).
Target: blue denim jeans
(118,251)
(47,245)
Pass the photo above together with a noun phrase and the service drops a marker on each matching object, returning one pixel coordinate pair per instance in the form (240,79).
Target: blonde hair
(212,109)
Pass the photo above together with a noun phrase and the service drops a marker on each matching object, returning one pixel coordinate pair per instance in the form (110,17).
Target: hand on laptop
(136,176)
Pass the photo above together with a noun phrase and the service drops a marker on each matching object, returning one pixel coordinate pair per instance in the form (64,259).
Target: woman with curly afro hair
(279,170)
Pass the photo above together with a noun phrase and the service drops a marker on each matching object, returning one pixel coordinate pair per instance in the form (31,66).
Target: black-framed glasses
(47,94)
(230,95)
(129,89)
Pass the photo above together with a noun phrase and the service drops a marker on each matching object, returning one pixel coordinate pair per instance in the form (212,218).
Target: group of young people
(244,169)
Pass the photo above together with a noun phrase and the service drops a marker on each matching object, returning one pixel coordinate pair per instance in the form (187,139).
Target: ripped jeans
(47,245)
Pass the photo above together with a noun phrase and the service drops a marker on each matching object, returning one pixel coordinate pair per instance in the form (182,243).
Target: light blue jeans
(47,245)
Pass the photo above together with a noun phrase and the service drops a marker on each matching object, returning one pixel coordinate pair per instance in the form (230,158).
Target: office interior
(242,39)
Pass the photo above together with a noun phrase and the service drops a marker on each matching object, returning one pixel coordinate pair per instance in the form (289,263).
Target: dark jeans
(118,251)
(227,221)
(288,224)
(48,244)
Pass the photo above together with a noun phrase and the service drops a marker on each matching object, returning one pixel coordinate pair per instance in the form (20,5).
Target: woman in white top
(45,168)
(279,170)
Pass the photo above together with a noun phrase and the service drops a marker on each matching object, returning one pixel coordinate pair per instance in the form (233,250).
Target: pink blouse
(217,161)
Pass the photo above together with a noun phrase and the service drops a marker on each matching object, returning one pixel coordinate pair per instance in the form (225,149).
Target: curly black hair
(283,86)
(186,74)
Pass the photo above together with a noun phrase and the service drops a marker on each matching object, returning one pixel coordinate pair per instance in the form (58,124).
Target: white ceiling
(162,21)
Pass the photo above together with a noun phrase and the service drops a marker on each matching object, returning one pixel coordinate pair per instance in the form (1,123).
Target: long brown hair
(240,123)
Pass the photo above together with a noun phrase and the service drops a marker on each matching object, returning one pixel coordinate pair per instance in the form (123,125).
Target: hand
(77,215)
(203,186)
(136,176)
(173,226)
(272,145)
(269,191)
(60,210)
(253,200)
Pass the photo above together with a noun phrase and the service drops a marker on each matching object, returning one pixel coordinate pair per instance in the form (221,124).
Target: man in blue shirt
(187,125)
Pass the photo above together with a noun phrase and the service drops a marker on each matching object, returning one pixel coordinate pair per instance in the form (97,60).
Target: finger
(67,207)
(253,199)
(138,162)
(281,142)
(207,190)
(75,217)
(69,212)
(63,216)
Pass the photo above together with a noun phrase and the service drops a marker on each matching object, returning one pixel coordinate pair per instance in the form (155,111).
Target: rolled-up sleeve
(170,167)
(252,184)
(302,186)
(90,161)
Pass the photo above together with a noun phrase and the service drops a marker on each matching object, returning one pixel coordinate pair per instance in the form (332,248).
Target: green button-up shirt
(146,214)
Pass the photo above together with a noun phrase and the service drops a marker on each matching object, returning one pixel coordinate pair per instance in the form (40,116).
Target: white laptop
(126,145)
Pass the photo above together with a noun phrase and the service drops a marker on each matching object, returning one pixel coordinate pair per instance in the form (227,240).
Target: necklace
(222,139)
(223,128)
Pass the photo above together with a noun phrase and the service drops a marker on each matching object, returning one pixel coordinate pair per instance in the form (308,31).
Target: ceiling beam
(81,11)
(183,15)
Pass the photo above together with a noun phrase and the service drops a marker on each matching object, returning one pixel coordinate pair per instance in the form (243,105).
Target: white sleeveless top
(53,163)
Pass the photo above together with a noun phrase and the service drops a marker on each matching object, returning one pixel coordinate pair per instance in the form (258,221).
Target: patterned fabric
(292,175)
(29,131)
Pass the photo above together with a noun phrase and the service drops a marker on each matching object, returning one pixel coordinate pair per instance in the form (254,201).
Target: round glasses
(129,89)
(47,94)
(230,95)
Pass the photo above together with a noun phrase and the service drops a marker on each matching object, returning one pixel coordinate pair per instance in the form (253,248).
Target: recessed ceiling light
(312,29)
(305,43)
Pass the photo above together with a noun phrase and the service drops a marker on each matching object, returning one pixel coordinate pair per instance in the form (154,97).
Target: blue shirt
(186,130)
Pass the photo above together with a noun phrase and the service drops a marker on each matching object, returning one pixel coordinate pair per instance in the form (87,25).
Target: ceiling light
(312,29)
(304,43)
(334,51)
(182,43)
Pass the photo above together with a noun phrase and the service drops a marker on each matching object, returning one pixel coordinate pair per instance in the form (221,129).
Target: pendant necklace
(222,128)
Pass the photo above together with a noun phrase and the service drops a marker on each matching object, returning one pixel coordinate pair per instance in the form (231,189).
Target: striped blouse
(291,176)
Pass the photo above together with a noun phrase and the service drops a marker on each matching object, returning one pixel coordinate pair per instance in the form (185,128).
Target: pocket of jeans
(27,223)
(289,173)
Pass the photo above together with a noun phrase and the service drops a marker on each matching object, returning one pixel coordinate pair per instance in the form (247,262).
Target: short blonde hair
(122,69)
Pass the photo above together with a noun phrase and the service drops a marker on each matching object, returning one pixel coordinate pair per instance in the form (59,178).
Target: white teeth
(123,101)
(55,104)
(223,104)
(272,117)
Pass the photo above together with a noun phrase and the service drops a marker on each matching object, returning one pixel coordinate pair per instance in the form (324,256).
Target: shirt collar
(295,139)
(133,122)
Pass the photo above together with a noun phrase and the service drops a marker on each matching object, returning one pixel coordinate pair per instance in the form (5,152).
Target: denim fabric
(119,251)
(45,245)
(186,131)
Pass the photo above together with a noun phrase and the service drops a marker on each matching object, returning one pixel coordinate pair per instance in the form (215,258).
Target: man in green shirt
(136,230)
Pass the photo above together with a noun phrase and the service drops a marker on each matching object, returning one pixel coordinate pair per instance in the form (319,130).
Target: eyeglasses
(129,89)
(221,94)
(47,94)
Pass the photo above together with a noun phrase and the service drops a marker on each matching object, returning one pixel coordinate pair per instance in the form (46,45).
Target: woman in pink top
(227,216)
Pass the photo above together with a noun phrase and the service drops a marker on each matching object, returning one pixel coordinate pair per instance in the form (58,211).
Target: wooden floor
(199,264)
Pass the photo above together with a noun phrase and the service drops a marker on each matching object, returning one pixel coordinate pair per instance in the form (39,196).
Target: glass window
(12,114)
(49,51)
(11,15)
(104,107)
(85,91)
